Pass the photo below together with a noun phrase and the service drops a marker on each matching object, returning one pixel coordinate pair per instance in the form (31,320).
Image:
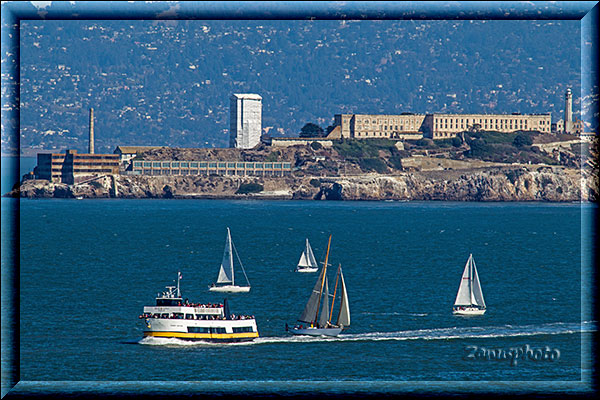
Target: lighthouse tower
(568,112)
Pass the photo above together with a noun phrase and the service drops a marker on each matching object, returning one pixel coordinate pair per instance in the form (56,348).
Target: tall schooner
(322,324)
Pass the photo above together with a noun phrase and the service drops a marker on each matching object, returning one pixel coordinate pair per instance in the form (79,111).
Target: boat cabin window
(177,315)
(189,316)
(196,329)
(217,330)
(242,329)
(164,315)
(168,302)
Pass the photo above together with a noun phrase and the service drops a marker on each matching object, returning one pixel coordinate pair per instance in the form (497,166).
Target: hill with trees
(167,83)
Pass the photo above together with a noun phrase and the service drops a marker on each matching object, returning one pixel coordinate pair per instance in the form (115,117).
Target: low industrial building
(208,168)
(293,141)
(72,167)
(127,153)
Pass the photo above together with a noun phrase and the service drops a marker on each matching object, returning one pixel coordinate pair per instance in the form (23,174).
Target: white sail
(226,271)
(310,256)
(307,259)
(303,260)
(477,293)
(463,297)
(325,309)
(310,310)
(344,315)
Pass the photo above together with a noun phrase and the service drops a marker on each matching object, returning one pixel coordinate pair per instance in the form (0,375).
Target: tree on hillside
(523,139)
(311,130)
(475,128)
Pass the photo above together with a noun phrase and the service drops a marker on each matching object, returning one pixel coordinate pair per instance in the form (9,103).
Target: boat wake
(395,313)
(482,332)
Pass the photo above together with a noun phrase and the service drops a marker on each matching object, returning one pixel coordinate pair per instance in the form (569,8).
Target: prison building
(368,126)
(72,167)
(445,126)
(434,126)
(208,168)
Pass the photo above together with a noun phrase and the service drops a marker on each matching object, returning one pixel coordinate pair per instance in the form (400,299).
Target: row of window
(93,170)
(198,329)
(372,134)
(462,123)
(385,121)
(96,157)
(194,164)
(111,163)
(177,315)
(232,172)
(387,127)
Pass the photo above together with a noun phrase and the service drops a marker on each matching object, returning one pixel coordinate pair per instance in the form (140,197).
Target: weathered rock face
(517,184)
(480,186)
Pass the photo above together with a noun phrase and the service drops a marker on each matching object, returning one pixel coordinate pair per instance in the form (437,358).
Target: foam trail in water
(556,328)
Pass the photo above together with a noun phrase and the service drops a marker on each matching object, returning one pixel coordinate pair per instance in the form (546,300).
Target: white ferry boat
(174,317)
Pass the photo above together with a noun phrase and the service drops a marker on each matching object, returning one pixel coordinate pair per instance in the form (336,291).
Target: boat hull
(315,331)
(306,269)
(205,337)
(208,330)
(469,311)
(229,289)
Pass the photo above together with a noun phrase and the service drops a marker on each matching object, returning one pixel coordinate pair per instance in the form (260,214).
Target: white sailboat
(226,280)
(469,299)
(307,261)
(319,298)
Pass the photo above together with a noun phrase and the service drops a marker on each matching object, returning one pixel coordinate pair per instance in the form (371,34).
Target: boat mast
(337,278)
(178,279)
(471,279)
(241,265)
(230,257)
(323,281)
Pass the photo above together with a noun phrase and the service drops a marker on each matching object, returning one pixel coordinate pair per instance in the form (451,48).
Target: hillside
(167,83)
(370,170)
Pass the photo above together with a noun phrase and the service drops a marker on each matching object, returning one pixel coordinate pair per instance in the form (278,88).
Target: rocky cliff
(557,184)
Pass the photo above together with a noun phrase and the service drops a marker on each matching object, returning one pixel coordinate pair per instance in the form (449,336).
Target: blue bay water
(87,268)
(11,166)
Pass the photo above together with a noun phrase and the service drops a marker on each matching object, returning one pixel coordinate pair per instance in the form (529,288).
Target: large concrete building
(245,120)
(365,126)
(72,167)
(444,126)
(434,126)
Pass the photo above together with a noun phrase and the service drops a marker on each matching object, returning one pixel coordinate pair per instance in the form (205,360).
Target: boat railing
(197,317)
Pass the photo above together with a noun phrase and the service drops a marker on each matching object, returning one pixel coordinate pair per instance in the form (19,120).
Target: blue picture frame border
(13,12)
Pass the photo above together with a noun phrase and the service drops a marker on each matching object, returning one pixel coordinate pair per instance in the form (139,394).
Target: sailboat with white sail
(322,324)
(469,299)
(226,279)
(307,262)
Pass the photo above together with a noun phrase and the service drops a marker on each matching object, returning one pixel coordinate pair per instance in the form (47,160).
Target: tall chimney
(91,144)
